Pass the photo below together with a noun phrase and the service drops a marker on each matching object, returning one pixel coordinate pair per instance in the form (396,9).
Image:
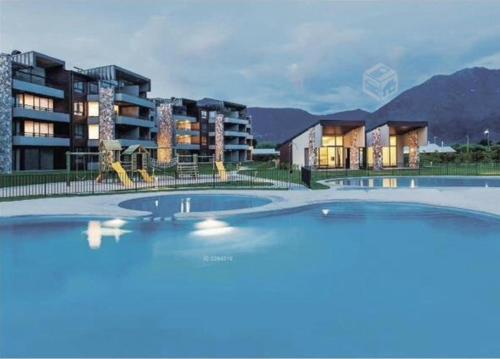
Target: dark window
(78,131)
(79,87)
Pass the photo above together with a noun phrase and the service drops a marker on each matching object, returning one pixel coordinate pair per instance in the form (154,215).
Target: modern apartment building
(35,114)
(194,128)
(47,110)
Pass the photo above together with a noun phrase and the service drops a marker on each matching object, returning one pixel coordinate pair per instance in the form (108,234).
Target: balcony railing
(39,134)
(27,76)
(36,108)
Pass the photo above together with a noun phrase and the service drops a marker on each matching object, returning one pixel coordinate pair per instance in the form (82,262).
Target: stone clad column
(164,138)
(354,157)
(414,154)
(378,160)
(106,122)
(106,113)
(312,147)
(5,113)
(219,138)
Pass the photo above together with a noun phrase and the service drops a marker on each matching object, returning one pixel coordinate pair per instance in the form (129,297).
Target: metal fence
(25,185)
(310,176)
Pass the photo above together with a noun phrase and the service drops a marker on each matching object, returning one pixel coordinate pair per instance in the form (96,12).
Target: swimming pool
(413,182)
(166,205)
(346,279)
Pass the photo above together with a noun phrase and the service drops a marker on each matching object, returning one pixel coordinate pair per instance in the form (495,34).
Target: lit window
(93,109)
(78,108)
(93,132)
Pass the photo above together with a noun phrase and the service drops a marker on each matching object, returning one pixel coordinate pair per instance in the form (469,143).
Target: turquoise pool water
(364,280)
(166,206)
(412,182)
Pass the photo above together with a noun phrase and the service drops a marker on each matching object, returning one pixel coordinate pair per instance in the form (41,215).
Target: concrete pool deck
(484,200)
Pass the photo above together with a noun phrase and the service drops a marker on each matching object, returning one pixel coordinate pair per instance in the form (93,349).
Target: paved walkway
(485,200)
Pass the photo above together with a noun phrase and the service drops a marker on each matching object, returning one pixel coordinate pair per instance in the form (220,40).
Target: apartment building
(193,128)
(47,110)
(35,116)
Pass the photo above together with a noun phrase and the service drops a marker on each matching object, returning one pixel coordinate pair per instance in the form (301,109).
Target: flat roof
(115,73)
(33,58)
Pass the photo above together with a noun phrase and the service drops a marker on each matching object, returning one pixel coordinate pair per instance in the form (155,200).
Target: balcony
(232,147)
(134,121)
(231,134)
(178,117)
(40,114)
(187,146)
(28,139)
(239,121)
(134,100)
(125,142)
(183,132)
(39,89)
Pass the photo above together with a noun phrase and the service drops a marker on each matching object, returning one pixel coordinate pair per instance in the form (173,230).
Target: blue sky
(303,54)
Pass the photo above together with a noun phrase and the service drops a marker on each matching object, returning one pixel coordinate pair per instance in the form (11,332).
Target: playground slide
(145,175)
(222,170)
(122,175)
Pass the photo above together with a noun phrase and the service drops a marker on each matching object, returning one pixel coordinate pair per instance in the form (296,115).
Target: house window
(78,108)
(38,129)
(34,102)
(93,132)
(389,153)
(93,109)
(78,131)
(203,114)
(79,87)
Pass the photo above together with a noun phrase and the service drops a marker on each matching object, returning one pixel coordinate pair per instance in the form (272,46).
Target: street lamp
(487,134)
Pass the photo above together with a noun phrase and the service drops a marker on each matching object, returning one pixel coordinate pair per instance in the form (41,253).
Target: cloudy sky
(305,54)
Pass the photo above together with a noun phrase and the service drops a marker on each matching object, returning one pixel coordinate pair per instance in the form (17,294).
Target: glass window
(44,103)
(203,114)
(78,87)
(117,109)
(93,132)
(78,131)
(28,101)
(328,141)
(44,129)
(369,156)
(28,128)
(78,108)
(19,100)
(93,109)
(339,141)
(392,140)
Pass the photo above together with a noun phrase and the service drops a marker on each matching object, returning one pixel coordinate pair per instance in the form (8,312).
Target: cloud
(490,61)
(304,54)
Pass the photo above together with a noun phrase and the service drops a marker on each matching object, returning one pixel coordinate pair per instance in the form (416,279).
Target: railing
(39,134)
(88,182)
(27,76)
(448,169)
(36,108)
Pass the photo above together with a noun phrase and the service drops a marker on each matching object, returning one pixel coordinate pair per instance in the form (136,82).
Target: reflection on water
(212,227)
(390,183)
(96,230)
(185,205)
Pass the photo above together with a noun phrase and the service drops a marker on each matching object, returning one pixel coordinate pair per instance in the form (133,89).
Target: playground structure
(134,165)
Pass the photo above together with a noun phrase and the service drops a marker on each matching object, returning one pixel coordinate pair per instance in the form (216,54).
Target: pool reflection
(97,230)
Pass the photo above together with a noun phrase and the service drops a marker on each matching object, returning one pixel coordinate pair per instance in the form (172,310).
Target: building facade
(194,129)
(327,144)
(47,110)
(332,144)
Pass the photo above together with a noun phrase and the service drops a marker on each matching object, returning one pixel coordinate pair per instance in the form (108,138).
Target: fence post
(68,167)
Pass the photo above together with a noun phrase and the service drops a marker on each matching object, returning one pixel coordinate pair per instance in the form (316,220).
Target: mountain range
(464,103)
